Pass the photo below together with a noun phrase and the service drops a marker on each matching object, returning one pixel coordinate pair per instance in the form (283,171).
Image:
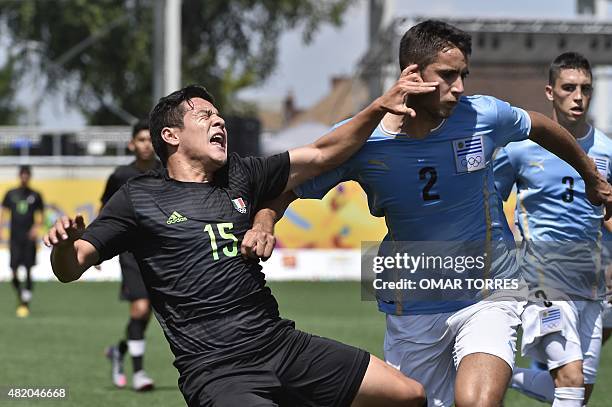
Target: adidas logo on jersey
(175,218)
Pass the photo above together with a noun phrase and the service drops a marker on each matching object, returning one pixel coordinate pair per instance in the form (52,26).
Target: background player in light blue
(552,209)
(431,177)
(607,264)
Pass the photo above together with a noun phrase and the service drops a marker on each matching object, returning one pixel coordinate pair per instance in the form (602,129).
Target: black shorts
(132,286)
(23,253)
(297,370)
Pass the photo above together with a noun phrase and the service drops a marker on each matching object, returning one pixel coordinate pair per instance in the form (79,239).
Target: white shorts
(429,348)
(564,332)
(606,316)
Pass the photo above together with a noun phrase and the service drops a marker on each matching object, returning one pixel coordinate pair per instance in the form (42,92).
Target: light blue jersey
(552,208)
(439,188)
(606,239)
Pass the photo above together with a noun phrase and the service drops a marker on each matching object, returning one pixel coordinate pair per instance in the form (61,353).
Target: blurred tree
(9,110)
(99,53)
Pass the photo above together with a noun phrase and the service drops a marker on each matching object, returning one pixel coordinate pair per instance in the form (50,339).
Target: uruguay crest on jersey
(239,204)
(469,154)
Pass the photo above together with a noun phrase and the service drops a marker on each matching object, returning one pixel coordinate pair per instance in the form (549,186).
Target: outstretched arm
(70,256)
(337,146)
(553,137)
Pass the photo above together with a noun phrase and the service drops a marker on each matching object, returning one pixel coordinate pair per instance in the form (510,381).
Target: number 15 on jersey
(222,230)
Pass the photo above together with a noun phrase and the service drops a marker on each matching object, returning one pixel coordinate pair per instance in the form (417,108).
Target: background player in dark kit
(183,225)
(132,287)
(26,207)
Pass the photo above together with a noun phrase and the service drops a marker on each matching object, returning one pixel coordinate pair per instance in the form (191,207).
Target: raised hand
(66,230)
(409,83)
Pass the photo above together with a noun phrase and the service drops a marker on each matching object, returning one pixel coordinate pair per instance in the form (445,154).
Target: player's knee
(140,309)
(475,398)
(569,378)
(412,393)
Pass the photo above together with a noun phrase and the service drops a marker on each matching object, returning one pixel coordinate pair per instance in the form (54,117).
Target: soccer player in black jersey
(132,287)
(26,207)
(184,225)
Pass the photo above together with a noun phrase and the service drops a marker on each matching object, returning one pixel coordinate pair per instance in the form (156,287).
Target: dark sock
(29,283)
(135,332)
(136,329)
(17,286)
(137,363)
(122,347)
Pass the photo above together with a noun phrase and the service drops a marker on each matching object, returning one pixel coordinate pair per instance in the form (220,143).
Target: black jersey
(120,176)
(22,202)
(186,237)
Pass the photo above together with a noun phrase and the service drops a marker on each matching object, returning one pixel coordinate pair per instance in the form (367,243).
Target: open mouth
(577,109)
(218,139)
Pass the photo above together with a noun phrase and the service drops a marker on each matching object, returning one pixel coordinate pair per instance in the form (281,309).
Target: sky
(305,70)
(336,51)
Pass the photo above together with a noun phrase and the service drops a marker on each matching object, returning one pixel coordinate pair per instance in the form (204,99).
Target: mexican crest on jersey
(469,154)
(240,205)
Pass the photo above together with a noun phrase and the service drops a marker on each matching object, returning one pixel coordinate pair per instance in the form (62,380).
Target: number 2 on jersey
(433,177)
(221,228)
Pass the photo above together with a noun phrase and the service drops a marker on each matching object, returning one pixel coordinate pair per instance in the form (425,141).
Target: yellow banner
(338,221)
(62,196)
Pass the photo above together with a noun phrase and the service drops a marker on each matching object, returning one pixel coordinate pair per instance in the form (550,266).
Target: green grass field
(62,342)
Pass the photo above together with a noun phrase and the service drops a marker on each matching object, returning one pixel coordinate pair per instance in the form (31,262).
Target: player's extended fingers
(61,225)
(413,77)
(53,236)
(409,70)
(46,240)
(66,221)
(420,87)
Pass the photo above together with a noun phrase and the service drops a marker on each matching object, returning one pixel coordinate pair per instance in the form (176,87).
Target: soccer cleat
(22,311)
(117,374)
(141,381)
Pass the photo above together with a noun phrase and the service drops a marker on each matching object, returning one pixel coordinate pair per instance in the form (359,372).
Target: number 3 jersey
(554,215)
(209,300)
(438,188)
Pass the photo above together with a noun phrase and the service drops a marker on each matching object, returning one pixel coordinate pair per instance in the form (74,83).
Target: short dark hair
(568,60)
(140,125)
(421,43)
(169,112)
(25,169)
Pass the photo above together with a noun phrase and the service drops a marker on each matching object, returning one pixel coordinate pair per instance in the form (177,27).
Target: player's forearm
(340,144)
(272,211)
(68,263)
(553,137)
(333,149)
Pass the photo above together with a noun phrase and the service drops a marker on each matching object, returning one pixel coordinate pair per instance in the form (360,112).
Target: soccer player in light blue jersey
(431,177)
(607,264)
(555,217)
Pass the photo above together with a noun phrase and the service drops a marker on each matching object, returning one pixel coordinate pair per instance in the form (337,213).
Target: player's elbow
(68,273)
(541,125)
(64,278)
(322,161)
